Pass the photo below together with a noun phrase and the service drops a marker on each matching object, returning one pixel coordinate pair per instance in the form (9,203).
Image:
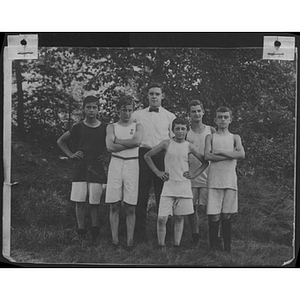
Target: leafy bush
(260,92)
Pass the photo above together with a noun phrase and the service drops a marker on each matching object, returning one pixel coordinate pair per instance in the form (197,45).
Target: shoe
(115,246)
(161,247)
(128,248)
(177,248)
(81,231)
(195,238)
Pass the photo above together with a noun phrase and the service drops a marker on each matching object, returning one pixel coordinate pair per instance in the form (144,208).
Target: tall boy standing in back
(157,123)
(196,135)
(222,149)
(88,174)
(176,196)
(123,140)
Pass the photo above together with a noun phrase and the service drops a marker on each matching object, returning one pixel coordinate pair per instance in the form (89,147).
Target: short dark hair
(125,100)
(181,121)
(224,109)
(90,99)
(195,102)
(155,84)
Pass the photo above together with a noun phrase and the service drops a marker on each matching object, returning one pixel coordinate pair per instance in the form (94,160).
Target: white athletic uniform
(123,171)
(222,178)
(176,196)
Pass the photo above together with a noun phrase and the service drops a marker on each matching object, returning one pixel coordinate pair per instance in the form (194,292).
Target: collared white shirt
(157,126)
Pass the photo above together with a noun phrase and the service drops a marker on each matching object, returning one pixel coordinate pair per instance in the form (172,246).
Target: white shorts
(221,201)
(199,195)
(175,205)
(123,181)
(83,190)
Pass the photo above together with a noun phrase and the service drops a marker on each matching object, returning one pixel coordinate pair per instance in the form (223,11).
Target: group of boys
(152,146)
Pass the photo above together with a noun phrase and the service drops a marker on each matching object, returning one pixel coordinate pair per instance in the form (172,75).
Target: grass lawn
(43,223)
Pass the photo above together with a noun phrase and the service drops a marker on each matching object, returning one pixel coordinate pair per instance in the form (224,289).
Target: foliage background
(47,97)
(261,93)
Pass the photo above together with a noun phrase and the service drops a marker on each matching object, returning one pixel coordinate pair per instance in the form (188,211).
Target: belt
(125,158)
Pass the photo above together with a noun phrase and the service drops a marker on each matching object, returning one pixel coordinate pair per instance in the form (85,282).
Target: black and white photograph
(151,156)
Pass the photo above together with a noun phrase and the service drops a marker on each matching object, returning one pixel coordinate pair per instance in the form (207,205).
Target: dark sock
(169,229)
(81,231)
(213,233)
(226,233)
(95,230)
(195,237)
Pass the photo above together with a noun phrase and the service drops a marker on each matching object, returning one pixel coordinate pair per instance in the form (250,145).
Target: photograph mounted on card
(45,102)
(279,48)
(23,46)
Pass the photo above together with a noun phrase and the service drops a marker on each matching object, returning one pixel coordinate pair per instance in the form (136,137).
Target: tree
(260,92)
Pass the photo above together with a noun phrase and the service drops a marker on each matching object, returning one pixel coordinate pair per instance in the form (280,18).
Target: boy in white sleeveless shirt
(123,140)
(176,197)
(222,149)
(196,135)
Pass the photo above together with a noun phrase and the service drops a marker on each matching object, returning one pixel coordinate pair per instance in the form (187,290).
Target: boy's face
(223,119)
(180,131)
(126,112)
(196,113)
(91,109)
(155,97)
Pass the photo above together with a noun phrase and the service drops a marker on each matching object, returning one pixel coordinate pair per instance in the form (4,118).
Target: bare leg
(178,229)
(161,230)
(130,223)
(114,221)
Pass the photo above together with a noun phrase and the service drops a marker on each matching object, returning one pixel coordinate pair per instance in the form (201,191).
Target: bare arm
(237,153)
(110,136)
(171,133)
(135,141)
(208,154)
(164,145)
(204,163)
(62,142)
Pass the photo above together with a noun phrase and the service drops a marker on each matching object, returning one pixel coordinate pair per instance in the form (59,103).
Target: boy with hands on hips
(176,197)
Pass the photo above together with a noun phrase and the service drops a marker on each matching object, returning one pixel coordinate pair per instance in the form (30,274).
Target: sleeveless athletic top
(222,174)
(126,132)
(199,141)
(91,141)
(176,162)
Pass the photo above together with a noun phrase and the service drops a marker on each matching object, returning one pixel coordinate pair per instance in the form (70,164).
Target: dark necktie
(154,109)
